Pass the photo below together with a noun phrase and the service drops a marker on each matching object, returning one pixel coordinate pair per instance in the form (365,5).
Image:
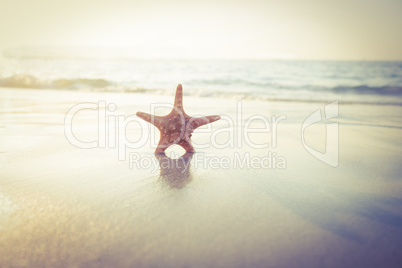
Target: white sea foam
(351,82)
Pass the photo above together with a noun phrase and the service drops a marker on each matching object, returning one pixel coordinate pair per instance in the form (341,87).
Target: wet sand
(65,206)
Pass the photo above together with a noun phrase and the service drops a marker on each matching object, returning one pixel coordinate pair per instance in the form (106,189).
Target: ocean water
(349,82)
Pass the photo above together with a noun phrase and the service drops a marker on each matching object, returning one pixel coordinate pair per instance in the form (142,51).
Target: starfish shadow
(175,172)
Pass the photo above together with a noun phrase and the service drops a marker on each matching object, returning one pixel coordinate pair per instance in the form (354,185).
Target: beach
(113,204)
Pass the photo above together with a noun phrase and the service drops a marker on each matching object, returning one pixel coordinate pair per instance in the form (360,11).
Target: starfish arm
(153,119)
(178,99)
(160,150)
(162,145)
(200,121)
(187,146)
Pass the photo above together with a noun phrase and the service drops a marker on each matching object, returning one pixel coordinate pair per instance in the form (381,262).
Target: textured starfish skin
(176,127)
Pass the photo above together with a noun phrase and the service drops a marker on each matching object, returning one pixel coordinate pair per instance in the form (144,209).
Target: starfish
(176,127)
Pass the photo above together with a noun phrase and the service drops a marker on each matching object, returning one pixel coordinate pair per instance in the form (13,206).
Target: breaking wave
(392,95)
(30,81)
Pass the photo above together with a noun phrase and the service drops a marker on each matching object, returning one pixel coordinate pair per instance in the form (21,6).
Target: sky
(249,29)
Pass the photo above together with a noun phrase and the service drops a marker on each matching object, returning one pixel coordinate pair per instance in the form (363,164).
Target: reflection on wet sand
(175,172)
